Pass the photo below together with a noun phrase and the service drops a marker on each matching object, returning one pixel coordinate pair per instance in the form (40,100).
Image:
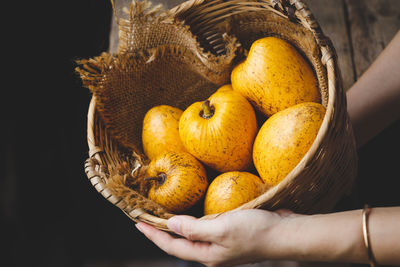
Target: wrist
(281,242)
(335,237)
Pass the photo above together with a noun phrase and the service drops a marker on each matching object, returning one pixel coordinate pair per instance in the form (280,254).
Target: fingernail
(139,227)
(174,224)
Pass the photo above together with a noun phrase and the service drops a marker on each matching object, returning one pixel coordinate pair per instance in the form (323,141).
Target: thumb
(194,229)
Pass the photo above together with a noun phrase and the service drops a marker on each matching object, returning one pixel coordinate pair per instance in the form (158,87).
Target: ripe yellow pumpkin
(275,76)
(284,139)
(178,181)
(220,131)
(230,190)
(160,132)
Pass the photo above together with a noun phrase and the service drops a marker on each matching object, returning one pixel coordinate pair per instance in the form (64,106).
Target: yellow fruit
(230,190)
(179,181)
(284,139)
(160,132)
(220,131)
(275,76)
(226,87)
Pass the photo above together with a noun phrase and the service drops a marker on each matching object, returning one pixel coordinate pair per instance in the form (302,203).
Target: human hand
(232,238)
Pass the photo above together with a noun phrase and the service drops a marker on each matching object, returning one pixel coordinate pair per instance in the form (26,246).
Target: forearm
(338,237)
(373,102)
(335,237)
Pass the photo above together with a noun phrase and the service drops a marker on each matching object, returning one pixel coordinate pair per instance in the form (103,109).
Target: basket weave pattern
(202,44)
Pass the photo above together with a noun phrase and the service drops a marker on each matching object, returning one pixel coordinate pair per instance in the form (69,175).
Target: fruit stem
(208,111)
(159,178)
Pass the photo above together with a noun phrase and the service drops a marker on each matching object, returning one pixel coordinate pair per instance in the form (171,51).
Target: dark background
(49,213)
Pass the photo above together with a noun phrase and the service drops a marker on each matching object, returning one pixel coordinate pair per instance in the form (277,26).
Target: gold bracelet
(367,242)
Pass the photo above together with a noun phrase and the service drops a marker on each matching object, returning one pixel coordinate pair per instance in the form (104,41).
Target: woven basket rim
(329,60)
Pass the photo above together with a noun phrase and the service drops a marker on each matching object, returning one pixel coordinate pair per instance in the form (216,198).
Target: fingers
(179,247)
(284,212)
(197,230)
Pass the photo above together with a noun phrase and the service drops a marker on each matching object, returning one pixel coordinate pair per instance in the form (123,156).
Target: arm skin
(373,102)
(246,236)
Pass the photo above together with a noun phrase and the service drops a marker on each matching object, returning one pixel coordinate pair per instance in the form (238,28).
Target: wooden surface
(359,30)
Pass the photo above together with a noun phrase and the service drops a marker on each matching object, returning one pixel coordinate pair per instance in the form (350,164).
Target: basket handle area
(307,19)
(194,11)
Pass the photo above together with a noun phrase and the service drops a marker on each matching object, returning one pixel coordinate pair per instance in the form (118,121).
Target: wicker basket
(328,169)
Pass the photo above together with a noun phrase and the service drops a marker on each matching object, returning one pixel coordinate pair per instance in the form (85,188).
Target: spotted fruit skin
(284,139)
(275,76)
(224,141)
(226,87)
(185,181)
(230,190)
(160,132)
